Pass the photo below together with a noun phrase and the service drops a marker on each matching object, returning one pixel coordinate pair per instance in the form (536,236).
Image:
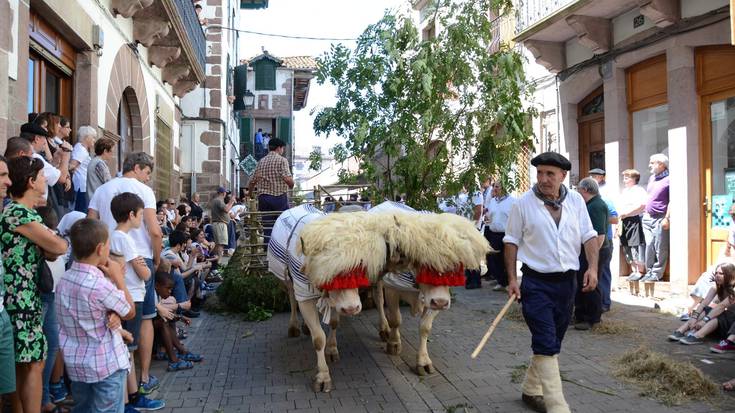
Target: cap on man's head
(552,159)
(221,190)
(34,129)
(597,171)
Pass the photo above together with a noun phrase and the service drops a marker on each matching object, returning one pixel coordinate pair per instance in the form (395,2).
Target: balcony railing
(193,30)
(529,12)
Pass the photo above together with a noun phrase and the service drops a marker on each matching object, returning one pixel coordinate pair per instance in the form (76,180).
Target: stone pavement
(254,367)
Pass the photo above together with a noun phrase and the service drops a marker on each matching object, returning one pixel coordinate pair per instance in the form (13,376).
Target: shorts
(7,355)
(104,396)
(219,230)
(133,326)
(148,310)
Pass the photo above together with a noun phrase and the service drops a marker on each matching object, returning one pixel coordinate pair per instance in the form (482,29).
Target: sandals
(160,356)
(180,365)
(196,358)
(58,409)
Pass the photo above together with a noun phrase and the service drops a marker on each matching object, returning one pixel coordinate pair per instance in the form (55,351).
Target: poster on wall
(720,211)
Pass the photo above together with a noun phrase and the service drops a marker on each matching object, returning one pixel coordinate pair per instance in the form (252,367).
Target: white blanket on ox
(283,260)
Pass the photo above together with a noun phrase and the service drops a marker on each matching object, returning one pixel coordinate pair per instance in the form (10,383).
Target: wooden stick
(493,325)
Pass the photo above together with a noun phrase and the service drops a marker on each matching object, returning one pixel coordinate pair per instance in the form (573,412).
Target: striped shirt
(92,352)
(269,174)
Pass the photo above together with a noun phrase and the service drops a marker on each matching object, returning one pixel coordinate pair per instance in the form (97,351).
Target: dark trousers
(546,301)
(472,279)
(588,306)
(231,234)
(273,203)
(496,261)
(81,202)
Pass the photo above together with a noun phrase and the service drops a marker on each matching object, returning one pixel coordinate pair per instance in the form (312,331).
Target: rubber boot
(547,369)
(533,395)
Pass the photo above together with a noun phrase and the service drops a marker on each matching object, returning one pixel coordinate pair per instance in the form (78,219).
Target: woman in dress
(24,241)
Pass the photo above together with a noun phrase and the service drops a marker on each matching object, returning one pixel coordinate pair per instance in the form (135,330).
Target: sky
(313,18)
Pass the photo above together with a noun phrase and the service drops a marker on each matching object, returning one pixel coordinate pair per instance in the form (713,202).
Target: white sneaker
(498,287)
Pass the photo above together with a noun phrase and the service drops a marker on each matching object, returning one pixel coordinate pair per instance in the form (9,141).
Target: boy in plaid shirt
(96,358)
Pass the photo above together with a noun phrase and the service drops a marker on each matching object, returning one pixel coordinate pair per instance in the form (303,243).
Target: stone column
(684,154)
(85,90)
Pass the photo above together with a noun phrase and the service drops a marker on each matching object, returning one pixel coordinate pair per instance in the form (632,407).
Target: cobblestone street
(254,367)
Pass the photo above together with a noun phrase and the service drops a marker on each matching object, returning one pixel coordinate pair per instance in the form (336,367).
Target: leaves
(398,95)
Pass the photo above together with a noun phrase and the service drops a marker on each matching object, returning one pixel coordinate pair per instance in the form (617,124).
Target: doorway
(715,67)
(591,121)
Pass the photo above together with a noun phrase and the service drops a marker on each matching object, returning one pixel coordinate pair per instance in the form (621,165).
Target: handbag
(45,278)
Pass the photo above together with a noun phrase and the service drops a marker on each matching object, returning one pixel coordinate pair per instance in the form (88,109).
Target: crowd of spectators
(97,278)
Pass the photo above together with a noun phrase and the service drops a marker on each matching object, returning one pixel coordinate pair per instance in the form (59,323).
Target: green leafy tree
(426,117)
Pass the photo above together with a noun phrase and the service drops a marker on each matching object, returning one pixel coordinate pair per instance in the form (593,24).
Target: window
(265,75)
(164,161)
(51,65)
(650,136)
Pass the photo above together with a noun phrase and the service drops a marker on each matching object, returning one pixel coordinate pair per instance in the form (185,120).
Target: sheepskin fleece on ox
(471,245)
(340,242)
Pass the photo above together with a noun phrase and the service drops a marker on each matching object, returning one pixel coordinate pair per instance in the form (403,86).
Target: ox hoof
(322,385)
(332,355)
(294,332)
(394,349)
(305,329)
(384,334)
(424,370)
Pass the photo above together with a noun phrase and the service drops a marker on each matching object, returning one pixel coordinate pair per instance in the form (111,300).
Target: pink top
(84,297)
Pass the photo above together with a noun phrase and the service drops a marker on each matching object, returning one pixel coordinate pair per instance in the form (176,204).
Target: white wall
(622,25)
(691,8)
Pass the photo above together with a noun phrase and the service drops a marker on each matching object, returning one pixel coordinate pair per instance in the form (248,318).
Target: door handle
(707,209)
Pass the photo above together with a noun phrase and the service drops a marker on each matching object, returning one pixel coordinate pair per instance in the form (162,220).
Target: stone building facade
(119,66)
(619,80)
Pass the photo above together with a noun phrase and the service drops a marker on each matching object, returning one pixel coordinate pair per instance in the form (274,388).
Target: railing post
(253,224)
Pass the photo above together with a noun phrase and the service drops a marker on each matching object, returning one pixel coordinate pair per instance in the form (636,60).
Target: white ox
(461,243)
(324,281)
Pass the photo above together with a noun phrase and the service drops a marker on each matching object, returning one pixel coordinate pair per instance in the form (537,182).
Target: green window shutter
(284,129)
(265,75)
(246,137)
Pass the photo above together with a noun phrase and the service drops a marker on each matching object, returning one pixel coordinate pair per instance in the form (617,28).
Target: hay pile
(614,327)
(658,376)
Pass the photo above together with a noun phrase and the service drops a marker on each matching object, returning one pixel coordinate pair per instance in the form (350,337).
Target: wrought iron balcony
(193,30)
(530,12)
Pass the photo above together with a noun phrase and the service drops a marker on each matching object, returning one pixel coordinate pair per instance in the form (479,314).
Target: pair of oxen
(323,259)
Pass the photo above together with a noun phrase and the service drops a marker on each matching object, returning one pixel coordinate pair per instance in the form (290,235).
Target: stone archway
(126,80)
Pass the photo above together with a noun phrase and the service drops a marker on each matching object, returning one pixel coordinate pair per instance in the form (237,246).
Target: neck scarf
(663,174)
(553,204)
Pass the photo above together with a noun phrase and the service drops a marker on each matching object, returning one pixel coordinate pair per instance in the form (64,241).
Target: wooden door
(591,120)
(715,68)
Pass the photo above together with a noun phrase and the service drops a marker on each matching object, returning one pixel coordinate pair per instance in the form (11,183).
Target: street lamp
(248,99)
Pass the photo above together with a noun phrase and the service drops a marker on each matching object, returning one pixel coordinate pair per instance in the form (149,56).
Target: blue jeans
(231,230)
(51,331)
(104,396)
(149,301)
(273,203)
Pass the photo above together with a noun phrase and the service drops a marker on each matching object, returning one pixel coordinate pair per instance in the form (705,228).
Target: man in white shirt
(80,157)
(545,231)
(137,170)
(498,205)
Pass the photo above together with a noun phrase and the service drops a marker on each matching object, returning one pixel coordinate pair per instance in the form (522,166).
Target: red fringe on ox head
(430,276)
(354,278)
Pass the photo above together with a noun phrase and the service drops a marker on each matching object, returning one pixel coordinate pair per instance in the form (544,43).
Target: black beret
(597,171)
(552,159)
(34,129)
